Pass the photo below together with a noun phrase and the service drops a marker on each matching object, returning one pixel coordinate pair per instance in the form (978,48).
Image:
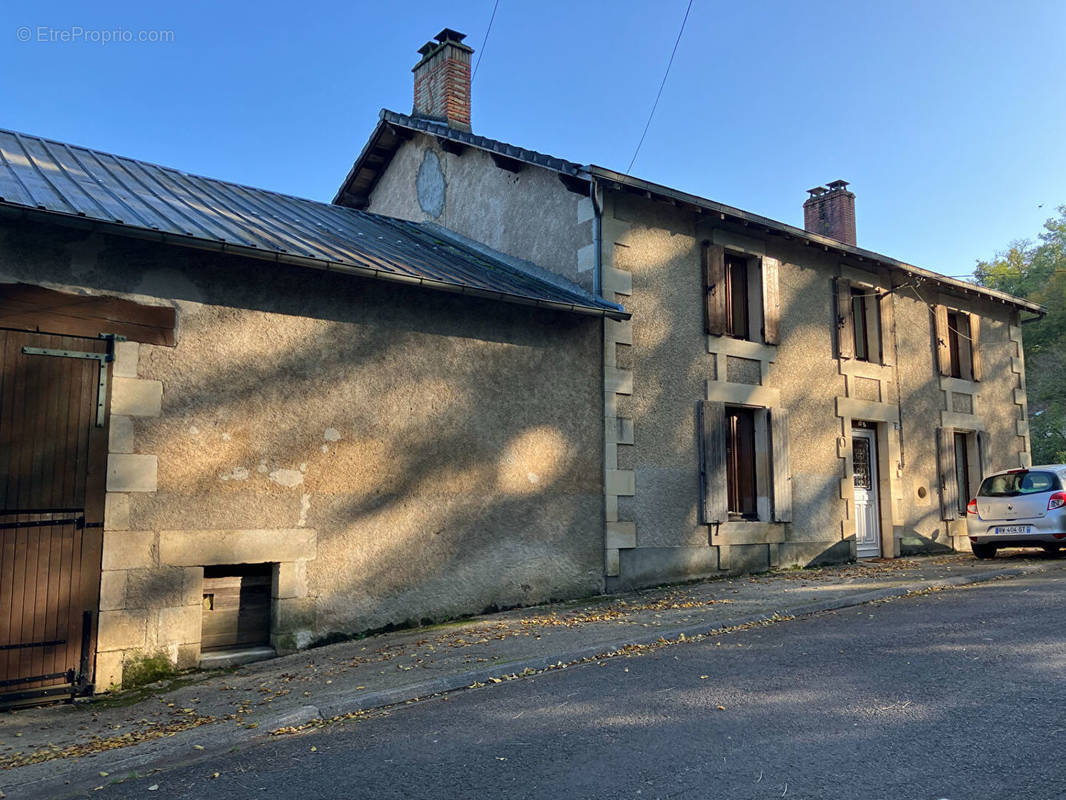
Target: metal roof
(61,182)
(393,127)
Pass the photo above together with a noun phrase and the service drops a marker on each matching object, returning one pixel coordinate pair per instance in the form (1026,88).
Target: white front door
(867,514)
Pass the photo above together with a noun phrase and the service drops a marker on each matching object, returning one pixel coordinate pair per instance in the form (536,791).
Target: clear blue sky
(948,117)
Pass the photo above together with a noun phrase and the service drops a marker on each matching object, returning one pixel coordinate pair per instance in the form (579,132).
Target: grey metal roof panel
(54,179)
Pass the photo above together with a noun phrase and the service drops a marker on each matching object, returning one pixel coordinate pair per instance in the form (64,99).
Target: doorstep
(216,659)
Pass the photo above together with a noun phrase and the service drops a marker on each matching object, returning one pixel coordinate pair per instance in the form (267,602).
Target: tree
(1037,272)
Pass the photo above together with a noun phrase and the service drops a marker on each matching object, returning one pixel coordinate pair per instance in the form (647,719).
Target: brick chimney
(442,80)
(830,211)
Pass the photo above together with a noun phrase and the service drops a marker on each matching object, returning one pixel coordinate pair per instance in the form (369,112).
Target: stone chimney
(830,211)
(442,80)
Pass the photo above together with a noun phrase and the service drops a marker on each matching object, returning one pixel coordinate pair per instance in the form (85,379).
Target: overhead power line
(654,105)
(484,41)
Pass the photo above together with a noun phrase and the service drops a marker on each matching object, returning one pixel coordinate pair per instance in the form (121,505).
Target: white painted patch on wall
(262,466)
(287,477)
(236,474)
(303,639)
(533,477)
(226,437)
(303,467)
(305,506)
(194,431)
(332,435)
(586,258)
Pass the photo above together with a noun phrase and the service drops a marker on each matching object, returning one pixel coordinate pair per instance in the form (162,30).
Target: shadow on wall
(445,449)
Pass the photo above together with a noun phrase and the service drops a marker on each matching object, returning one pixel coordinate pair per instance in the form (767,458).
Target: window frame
(737,297)
(742,473)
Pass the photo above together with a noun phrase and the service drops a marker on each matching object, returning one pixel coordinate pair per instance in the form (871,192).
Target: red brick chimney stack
(442,80)
(831,212)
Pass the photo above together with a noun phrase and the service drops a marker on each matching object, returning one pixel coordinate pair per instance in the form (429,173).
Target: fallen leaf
(721,708)
(704,677)
(197,747)
(104,774)
(153,787)
(314,749)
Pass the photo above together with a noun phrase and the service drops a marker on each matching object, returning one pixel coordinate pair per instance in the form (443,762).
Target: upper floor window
(740,295)
(958,341)
(866,324)
(736,297)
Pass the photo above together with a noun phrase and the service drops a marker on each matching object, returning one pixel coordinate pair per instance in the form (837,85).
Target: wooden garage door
(52,463)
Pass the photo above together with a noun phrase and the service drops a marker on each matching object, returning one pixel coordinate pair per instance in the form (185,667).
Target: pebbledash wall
(389,450)
(661,364)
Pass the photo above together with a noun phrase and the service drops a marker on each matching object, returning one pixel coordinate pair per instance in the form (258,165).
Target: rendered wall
(391,450)
(528,214)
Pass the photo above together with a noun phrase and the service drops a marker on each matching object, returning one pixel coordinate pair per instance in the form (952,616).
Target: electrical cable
(654,105)
(484,41)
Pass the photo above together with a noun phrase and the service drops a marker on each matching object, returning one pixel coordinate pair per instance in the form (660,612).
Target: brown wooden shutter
(888,328)
(771,300)
(714,321)
(712,447)
(845,320)
(782,471)
(945,460)
(943,346)
(975,347)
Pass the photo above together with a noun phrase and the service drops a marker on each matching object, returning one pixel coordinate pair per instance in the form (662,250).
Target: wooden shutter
(943,344)
(975,346)
(983,454)
(945,458)
(713,257)
(782,472)
(712,447)
(845,320)
(888,328)
(771,300)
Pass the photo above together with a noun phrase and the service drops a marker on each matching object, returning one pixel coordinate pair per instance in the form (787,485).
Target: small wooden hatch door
(236,607)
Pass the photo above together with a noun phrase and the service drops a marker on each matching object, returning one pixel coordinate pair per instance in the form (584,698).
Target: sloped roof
(61,182)
(393,128)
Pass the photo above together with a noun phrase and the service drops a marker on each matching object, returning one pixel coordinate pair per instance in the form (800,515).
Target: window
(962,472)
(959,352)
(736,296)
(740,462)
(867,325)
(744,463)
(740,295)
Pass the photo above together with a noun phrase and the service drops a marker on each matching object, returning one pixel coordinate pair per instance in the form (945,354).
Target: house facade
(780,395)
(236,423)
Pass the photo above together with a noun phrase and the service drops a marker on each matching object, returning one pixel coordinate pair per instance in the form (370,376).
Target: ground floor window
(962,471)
(742,493)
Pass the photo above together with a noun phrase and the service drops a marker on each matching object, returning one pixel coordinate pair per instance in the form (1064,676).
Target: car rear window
(1013,484)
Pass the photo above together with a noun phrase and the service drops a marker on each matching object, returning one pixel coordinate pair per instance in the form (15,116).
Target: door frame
(871,433)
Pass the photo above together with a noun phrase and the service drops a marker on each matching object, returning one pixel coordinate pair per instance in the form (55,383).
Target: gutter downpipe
(597,237)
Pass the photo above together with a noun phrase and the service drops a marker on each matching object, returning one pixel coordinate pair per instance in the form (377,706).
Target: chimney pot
(442,80)
(831,212)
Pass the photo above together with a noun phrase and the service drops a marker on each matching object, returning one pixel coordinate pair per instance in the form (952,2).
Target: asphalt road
(957,694)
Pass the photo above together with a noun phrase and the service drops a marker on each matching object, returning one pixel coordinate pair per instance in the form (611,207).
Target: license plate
(1013,530)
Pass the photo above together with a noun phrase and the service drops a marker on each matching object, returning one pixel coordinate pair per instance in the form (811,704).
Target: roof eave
(13,210)
(770,225)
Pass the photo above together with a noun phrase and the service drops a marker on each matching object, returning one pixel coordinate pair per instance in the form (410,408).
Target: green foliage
(1037,272)
(144,669)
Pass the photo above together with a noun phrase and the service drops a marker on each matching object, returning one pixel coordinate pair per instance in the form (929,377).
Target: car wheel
(984,551)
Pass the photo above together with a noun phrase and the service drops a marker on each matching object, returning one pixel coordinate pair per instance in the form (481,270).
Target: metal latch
(103,358)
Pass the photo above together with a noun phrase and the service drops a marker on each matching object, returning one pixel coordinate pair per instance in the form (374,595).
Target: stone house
(780,396)
(236,422)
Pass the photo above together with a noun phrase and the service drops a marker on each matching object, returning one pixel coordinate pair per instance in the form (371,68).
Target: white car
(1019,508)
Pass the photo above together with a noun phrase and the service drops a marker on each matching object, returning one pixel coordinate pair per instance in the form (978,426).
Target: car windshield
(1012,484)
